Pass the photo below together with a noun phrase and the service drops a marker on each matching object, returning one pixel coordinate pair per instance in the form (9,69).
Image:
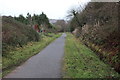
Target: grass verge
(20,55)
(81,62)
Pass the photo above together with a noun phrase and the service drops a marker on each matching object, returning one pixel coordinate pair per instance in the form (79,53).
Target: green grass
(20,55)
(81,62)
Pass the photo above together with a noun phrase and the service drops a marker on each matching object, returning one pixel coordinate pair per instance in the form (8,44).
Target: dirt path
(46,64)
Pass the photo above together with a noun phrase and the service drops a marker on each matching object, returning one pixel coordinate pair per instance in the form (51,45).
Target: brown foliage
(102,29)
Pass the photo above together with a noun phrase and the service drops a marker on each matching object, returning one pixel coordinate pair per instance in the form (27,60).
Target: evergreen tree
(29,19)
(21,18)
(41,19)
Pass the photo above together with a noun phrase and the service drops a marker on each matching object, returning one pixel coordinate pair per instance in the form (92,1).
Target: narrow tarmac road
(46,64)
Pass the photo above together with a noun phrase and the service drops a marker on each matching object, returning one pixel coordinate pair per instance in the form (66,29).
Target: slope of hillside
(100,32)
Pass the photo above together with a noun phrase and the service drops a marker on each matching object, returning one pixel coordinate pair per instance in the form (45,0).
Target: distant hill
(60,24)
(52,21)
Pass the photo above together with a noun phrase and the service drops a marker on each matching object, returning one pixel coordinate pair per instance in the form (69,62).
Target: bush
(16,34)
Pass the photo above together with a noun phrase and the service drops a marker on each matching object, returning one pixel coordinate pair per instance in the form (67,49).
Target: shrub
(16,34)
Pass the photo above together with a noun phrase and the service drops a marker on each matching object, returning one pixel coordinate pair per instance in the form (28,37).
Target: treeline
(97,26)
(41,19)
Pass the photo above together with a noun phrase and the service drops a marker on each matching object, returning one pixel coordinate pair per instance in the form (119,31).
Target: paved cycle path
(46,64)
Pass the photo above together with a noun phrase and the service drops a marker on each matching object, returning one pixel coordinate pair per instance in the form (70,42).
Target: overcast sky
(54,9)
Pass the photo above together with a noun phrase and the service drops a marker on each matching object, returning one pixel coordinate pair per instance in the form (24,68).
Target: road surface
(46,64)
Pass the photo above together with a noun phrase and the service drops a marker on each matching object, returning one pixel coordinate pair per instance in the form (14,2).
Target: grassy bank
(109,56)
(20,55)
(81,62)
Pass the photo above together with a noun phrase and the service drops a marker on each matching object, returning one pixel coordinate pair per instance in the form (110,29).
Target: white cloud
(52,8)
